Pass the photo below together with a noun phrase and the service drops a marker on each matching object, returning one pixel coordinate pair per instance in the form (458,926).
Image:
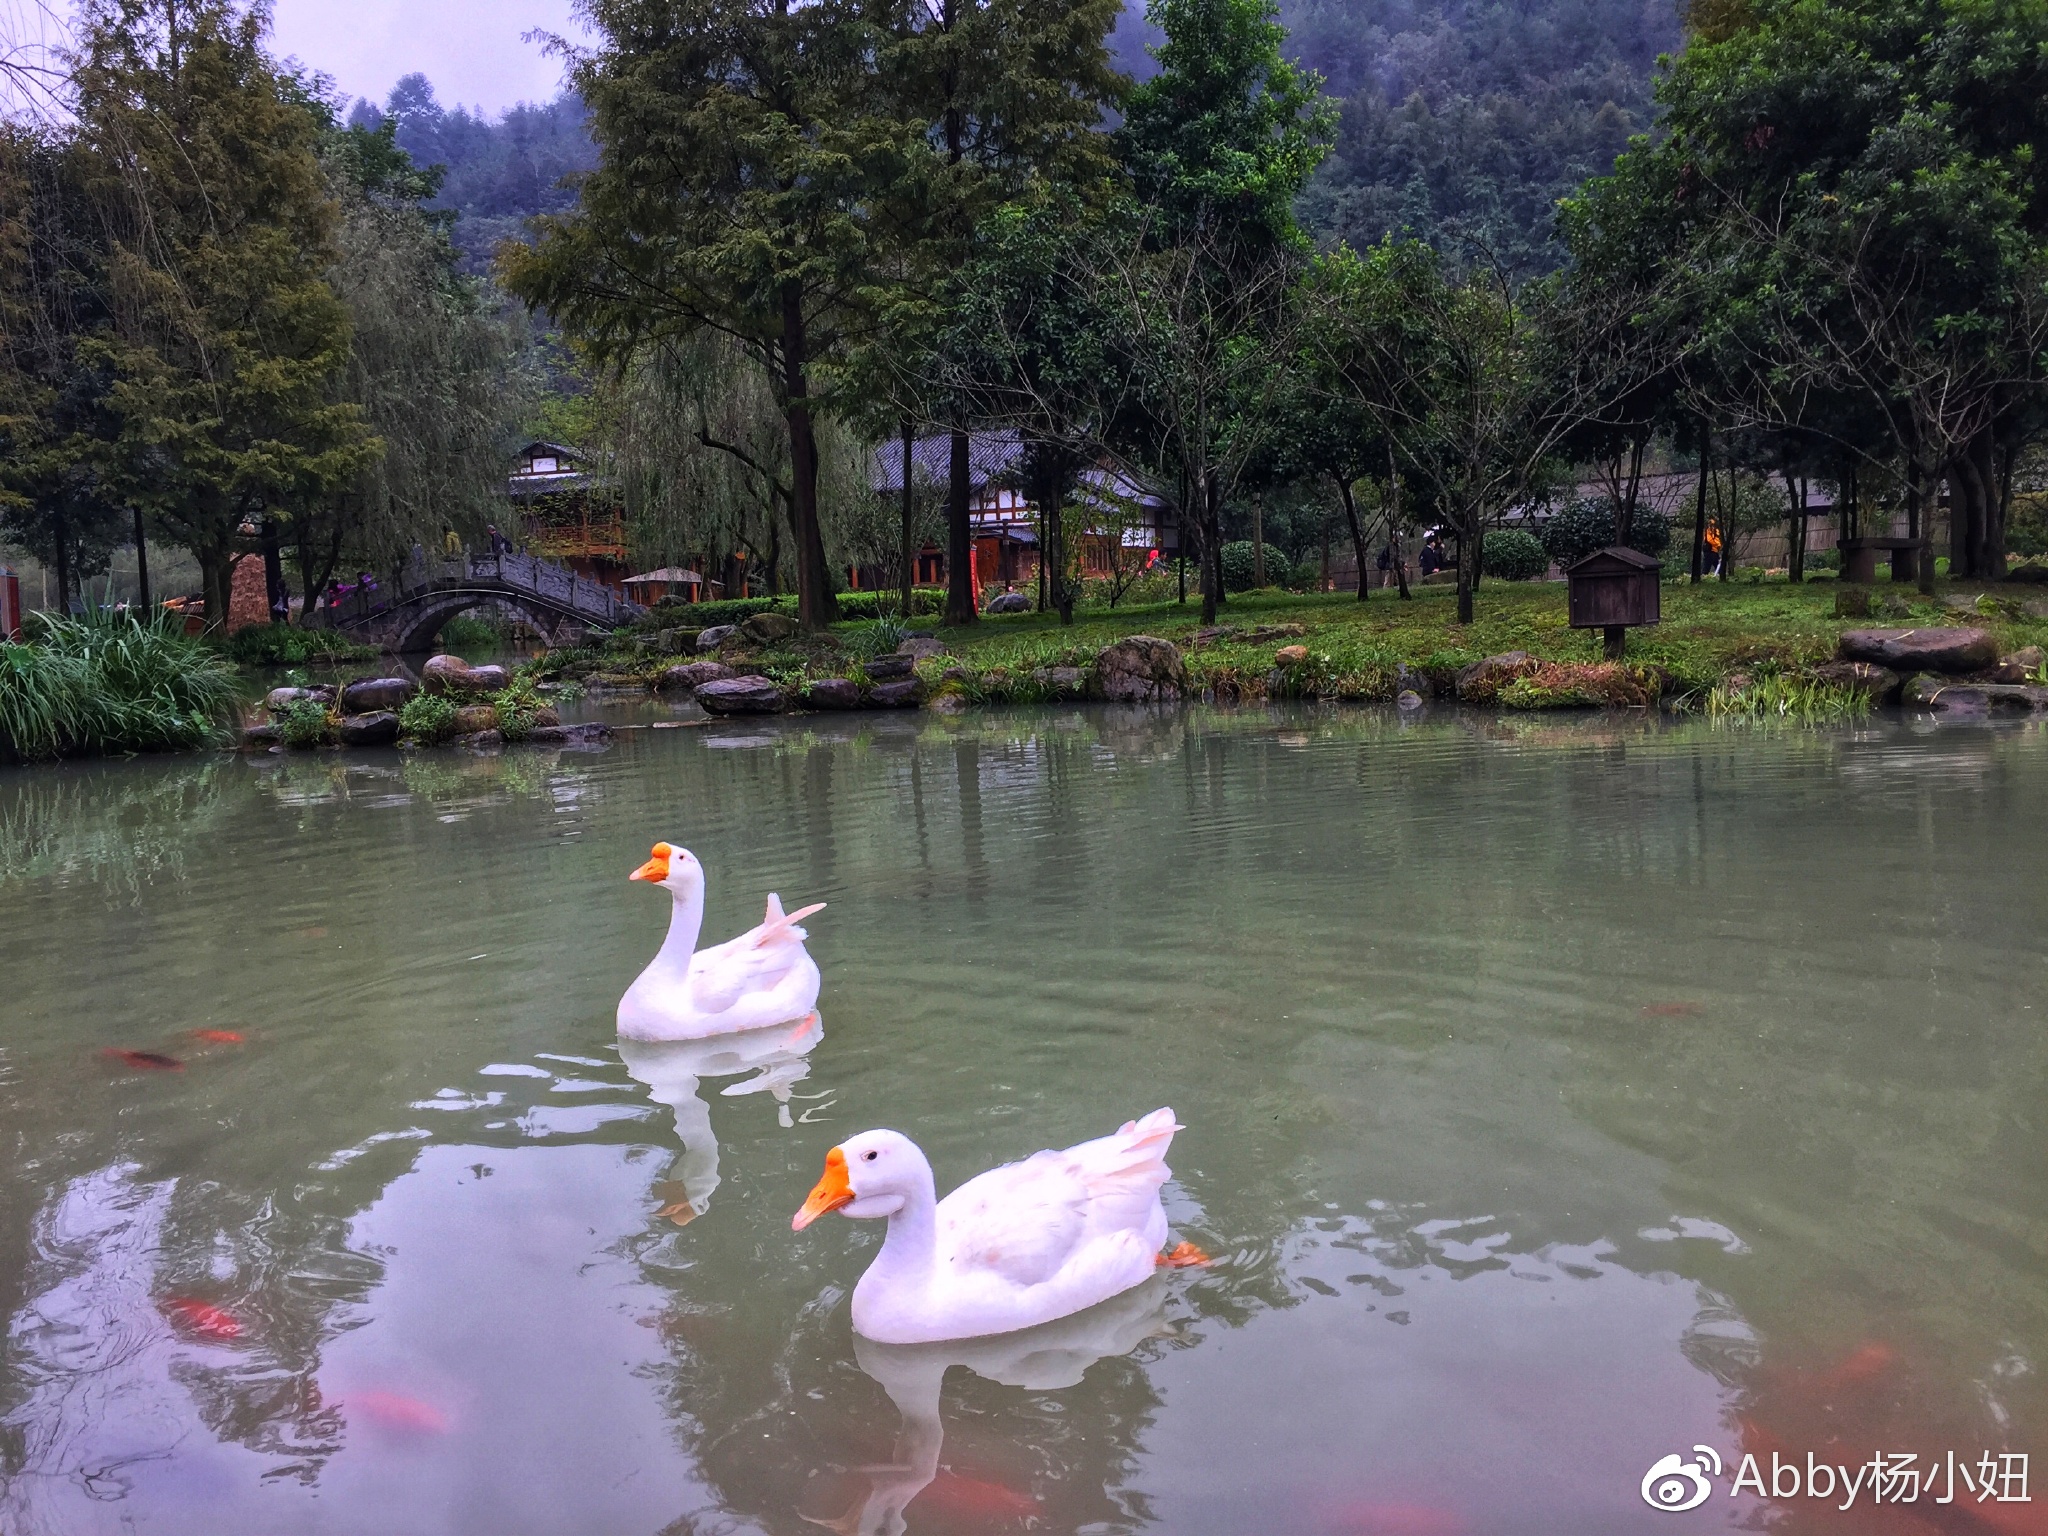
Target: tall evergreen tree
(225,338)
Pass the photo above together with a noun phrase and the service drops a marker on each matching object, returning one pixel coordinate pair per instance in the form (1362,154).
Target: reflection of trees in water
(119,825)
(105,1252)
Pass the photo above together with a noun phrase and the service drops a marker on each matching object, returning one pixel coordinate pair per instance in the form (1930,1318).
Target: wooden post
(1614,641)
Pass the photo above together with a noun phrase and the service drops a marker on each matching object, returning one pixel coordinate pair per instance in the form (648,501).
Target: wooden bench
(1859,558)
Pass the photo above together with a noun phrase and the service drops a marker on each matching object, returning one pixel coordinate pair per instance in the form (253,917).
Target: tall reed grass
(110,682)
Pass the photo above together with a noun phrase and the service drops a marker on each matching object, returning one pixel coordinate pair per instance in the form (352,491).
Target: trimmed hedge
(1514,554)
(1237,563)
(1579,527)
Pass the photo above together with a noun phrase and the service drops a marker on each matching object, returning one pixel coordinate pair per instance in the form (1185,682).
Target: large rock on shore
(1141,669)
(919,647)
(452,677)
(1008,602)
(278,700)
(1865,677)
(892,668)
(833,693)
(711,639)
(767,628)
(2020,667)
(905,694)
(472,718)
(1973,700)
(691,676)
(741,696)
(374,728)
(373,695)
(1921,650)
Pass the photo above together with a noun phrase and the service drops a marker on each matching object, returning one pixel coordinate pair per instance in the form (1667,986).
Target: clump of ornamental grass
(111,682)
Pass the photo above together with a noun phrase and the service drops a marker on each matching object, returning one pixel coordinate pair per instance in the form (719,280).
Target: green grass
(1799,700)
(283,645)
(108,682)
(1707,632)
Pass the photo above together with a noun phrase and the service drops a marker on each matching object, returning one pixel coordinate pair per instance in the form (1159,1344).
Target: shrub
(428,718)
(1236,560)
(304,724)
(1576,529)
(1514,554)
(2026,523)
(517,704)
(879,604)
(1306,576)
(111,682)
(466,633)
(283,645)
(874,637)
(671,613)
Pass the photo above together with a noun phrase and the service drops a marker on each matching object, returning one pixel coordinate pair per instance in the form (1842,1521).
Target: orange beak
(656,868)
(830,1193)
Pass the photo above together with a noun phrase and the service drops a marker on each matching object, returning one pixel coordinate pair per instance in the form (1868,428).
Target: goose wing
(1027,1221)
(756,961)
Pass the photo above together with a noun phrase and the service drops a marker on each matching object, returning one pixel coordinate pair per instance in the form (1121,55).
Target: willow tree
(434,371)
(741,144)
(225,339)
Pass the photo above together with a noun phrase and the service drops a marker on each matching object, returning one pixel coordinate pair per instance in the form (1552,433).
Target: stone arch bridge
(406,615)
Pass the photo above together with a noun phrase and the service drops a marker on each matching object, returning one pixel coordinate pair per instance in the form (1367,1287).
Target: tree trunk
(1795,526)
(1625,513)
(275,595)
(1699,511)
(217,583)
(1358,538)
(1258,541)
(814,605)
(959,535)
(1394,525)
(142,595)
(909,521)
(60,529)
(1466,564)
(1212,562)
(2000,507)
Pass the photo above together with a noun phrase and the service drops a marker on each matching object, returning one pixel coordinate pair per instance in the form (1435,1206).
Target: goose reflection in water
(1043,1359)
(672,1069)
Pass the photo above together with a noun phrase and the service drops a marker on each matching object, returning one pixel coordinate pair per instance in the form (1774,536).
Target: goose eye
(871,1156)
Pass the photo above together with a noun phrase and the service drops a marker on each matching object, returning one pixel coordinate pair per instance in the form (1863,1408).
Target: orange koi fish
(201,1318)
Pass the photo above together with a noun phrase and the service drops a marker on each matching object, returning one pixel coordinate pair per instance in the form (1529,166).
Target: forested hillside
(1463,121)
(500,172)
(1466,120)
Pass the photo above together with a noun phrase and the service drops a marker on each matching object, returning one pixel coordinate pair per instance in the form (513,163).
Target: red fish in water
(950,1496)
(1370,1518)
(1866,1362)
(201,1318)
(143,1061)
(314,932)
(1182,1256)
(1671,1010)
(219,1036)
(395,1411)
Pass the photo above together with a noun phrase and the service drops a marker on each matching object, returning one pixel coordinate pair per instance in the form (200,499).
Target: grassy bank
(110,683)
(1738,647)
(1709,633)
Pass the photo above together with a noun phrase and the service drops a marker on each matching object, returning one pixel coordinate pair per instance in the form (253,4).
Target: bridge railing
(516,573)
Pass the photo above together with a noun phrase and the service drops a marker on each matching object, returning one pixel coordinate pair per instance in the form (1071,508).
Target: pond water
(1559,1095)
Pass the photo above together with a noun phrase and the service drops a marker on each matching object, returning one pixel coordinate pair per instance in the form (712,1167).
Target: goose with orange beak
(763,977)
(1012,1248)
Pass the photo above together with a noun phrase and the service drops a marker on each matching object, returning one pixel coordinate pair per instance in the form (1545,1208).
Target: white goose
(1012,1248)
(763,977)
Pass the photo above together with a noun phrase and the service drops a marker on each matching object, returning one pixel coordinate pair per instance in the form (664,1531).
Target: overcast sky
(473,50)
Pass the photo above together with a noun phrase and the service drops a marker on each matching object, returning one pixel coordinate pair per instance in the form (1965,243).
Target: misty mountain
(1463,121)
